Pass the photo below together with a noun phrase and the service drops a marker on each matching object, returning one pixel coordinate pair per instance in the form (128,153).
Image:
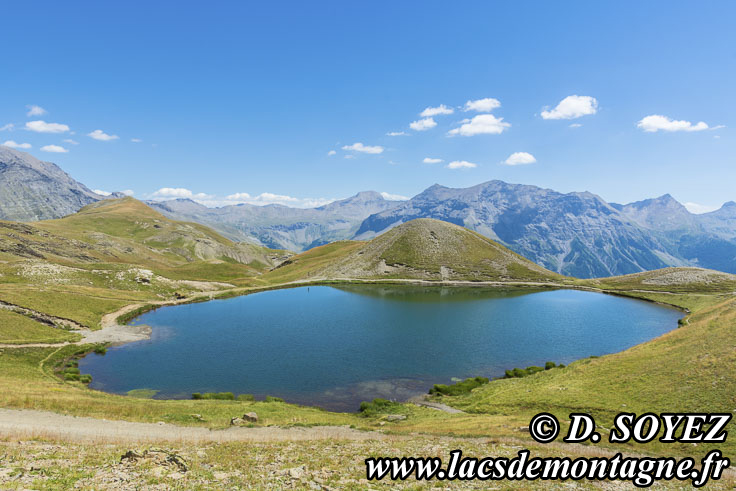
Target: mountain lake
(335,346)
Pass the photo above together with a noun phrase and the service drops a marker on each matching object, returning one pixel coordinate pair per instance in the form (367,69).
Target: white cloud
(102,136)
(359,147)
(461,164)
(173,193)
(349,156)
(54,149)
(573,106)
(423,124)
(482,105)
(34,110)
(393,197)
(331,153)
(656,122)
(698,208)
(429,160)
(520,158)
(12,144)
(575,125)
(71,142)
(397,133)
(44,127)
(269,199)
(101,192)
(482,124)
(7,127)
(127,192)
(436,111)
(136,140)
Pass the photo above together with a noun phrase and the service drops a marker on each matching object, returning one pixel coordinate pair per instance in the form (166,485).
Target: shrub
(379,406)
(71,370)
(525,372)
(246,397)
(71,376)
(273,399)
(458,388)
(218,396)
(100,350)
(86,378)
(549,365)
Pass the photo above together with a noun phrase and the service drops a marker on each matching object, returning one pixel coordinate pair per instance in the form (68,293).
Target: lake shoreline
(132,312)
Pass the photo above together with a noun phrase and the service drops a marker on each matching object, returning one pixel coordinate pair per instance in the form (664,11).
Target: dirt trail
(424,401)
(29,424)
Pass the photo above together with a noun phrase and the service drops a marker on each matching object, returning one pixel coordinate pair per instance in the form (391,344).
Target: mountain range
(577,234)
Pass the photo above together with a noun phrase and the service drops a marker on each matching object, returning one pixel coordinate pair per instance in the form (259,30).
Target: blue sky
(246,100)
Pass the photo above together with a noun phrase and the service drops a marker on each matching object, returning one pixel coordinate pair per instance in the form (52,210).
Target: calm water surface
(337,346)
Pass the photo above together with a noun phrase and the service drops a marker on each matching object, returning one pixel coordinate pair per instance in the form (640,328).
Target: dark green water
(335,347)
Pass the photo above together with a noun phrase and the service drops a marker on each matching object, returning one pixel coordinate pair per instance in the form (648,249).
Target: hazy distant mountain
(664,214)
(282,227)
(34,190)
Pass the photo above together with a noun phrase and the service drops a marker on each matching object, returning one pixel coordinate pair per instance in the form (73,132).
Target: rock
(162,458)
(297,472)
(251,417)
(237,421)
(395,417)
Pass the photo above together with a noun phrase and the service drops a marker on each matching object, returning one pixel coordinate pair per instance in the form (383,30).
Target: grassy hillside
(422,249)
(116,252)
(670,280)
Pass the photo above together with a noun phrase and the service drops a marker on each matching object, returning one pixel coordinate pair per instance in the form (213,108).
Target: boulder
(395,417)
(251,417)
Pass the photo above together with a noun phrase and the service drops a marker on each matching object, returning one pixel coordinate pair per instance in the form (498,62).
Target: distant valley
(575,234)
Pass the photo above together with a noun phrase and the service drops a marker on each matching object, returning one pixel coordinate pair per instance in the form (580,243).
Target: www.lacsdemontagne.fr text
(640,471)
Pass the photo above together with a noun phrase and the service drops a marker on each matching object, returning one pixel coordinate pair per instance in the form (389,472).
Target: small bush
(380,406)
(246,397)
(525,372)
(71,376)
(217,396)
(458,388)
(86,378)
(71,370)
(549,365)
(273,399)
(100,350)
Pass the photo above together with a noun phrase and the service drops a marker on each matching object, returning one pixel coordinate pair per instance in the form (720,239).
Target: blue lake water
(334,347)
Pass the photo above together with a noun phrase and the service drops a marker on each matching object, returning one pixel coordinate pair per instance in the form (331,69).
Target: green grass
(19,329)
(306,265)
(84,308)
(428,245)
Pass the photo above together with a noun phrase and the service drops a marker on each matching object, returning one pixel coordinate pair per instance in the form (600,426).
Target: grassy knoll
(422,249)
(19,329)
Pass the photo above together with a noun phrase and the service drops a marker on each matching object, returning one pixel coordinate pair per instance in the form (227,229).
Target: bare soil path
(30,424)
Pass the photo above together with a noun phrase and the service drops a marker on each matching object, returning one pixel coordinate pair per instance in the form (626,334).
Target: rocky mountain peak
(31,189)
